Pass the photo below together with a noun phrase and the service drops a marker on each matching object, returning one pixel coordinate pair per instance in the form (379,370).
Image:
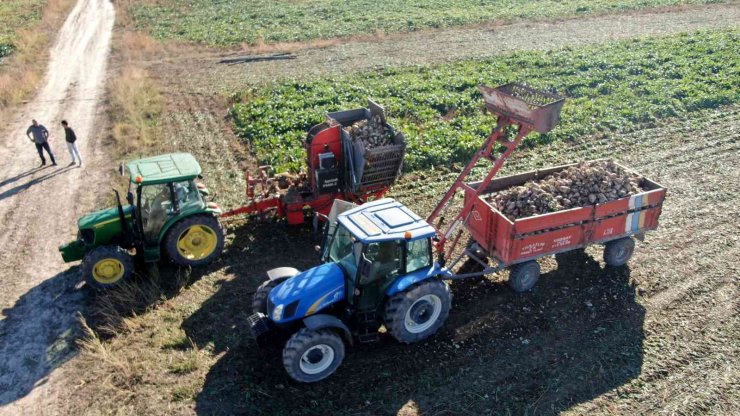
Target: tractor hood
(306,293)
(100,218)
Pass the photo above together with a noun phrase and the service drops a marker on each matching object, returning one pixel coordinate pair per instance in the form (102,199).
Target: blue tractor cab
(377,270)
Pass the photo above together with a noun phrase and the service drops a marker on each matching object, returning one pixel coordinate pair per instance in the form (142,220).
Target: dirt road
(39,206)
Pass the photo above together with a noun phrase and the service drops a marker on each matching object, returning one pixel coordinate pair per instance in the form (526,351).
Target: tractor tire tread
(170,239)
(299,341)
(91,258)
(395,312)
(259,299)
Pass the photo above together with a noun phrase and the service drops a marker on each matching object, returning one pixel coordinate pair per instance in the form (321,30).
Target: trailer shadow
(576,336)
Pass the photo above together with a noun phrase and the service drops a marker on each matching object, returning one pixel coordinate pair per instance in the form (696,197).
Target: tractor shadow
(39,333)
(577,335)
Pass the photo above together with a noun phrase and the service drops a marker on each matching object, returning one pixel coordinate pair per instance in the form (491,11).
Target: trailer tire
(259,299)
(524,276)
(106,266)
(195,241)
(418,312)
(313,355)
(618,252)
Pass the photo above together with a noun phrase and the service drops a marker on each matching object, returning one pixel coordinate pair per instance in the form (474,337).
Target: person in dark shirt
(71,138)
(39,135)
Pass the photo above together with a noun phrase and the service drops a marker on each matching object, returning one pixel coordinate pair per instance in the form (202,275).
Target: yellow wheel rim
(108,271)
(197,242)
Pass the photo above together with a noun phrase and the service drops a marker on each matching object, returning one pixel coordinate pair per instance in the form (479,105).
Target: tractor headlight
(277,313)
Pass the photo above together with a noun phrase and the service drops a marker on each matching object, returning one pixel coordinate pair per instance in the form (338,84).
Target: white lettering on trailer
(562,241)
(476,215)
(532,248)
(608,231)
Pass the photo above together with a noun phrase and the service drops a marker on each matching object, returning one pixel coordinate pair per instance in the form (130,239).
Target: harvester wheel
(195,241)
(311,356)
(618,252)
(524,276)
(259,300)
(106,266)
(419,312)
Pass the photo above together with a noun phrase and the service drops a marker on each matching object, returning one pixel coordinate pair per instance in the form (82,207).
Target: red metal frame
(525,239)
(498,136)
(518,106)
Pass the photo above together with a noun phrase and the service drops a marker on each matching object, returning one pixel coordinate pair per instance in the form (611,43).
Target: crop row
(229,22)
(609,88)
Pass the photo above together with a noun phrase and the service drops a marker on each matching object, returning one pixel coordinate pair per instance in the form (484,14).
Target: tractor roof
(383,220)
(172,167)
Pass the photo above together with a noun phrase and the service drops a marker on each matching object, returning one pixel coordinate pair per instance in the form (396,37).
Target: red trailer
(517,244)
(337,168)
(524,239)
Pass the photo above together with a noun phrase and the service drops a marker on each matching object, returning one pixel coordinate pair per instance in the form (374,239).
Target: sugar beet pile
(372,133)
(577,186)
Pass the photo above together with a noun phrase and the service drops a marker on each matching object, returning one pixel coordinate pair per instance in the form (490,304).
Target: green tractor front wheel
(195,241)
(106,266)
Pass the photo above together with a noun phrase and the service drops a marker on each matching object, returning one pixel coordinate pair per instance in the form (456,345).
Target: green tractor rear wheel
(106,266)
(195,241)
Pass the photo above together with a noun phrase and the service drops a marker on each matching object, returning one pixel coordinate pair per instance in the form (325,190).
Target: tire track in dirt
(39,208)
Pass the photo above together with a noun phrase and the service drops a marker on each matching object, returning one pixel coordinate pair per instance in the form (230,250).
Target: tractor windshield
(344,250)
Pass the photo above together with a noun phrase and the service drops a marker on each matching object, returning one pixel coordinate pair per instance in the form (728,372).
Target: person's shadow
(35,181)
(38,334)
(577,335)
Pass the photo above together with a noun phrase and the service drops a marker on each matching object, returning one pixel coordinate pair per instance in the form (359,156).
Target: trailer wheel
(195,241)
(106,266)
(311,356)
(618,252)
(259,300)
(419,312)
(524,276)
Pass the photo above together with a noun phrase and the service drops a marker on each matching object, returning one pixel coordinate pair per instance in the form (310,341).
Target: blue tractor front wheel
(313,355)
(418,312)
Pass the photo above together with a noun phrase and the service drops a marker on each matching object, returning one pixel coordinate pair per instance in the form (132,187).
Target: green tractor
(166,215)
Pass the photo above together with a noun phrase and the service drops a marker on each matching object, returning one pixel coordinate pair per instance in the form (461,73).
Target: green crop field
(230,22)
(609,88)
(14,15)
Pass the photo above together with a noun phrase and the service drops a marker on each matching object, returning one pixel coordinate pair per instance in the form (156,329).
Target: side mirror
(120,169)
(130,198)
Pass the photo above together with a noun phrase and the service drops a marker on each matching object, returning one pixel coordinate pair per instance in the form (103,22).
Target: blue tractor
(377,270)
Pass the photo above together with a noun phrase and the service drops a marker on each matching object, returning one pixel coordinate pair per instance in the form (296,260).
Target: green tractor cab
(166,215)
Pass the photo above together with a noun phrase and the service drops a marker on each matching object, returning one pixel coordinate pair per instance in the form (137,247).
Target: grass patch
(14,16)
(232,22)
(27,29)
(136,105)
(611,87)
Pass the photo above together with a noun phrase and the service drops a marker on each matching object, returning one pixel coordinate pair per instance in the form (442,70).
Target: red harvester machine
(337,168)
